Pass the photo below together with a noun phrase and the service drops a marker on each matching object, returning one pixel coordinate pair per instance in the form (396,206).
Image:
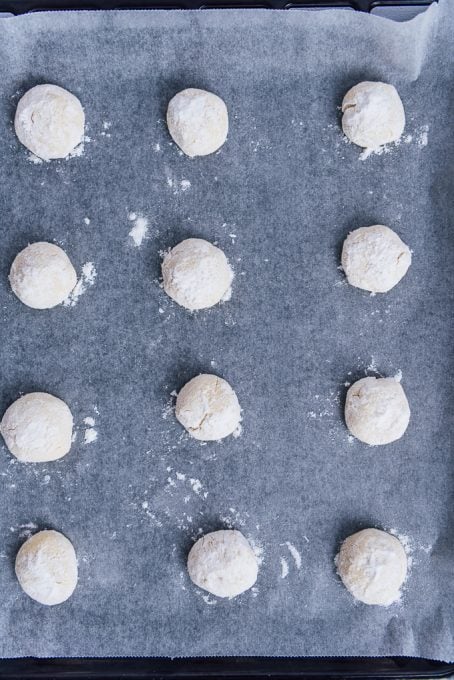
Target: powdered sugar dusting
(139,230)
(86,279)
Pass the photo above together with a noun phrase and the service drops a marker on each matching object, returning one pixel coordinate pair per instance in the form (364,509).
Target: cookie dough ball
(373,114)
(208,408)
(46,567)
(375,258)
(37,428)
(372,565)
(377,410)
(223,563)
(49,121)
(198,121)
(42,275)
(196,274)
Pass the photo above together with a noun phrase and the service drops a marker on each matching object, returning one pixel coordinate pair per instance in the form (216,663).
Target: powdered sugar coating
(37,428)
(49,121)
(196,274)
(198,121)
(208,408)
(377,410)
(375,258)
(46,567)
(373,566)
(373,114)
(42,275)
(223,563)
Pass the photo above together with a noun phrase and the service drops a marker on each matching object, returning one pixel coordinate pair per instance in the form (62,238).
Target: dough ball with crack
(208,408)
(37,428)
(42,275)
(377,410)
(49,121)
(375,258)
(196,274)
(223,563)
(373,114)
(198,121)
(46,567)
(373,566)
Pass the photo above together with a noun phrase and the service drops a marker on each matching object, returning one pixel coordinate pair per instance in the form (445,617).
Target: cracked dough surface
(375,258)
(42,275)
(373,566)
(208,408)
(223,563)
(37,428)
(196,274)
(377,410)
(46,567)
(198,121)
(373,114)
(49,121)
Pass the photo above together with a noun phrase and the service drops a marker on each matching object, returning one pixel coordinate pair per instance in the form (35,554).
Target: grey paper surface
(289,188)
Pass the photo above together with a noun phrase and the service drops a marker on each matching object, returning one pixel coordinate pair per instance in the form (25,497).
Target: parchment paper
(279,198)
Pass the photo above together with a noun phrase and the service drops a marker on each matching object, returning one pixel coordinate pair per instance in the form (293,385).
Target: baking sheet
(279,198)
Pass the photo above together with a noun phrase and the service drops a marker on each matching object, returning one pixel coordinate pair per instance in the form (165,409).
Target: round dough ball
(198,121)
(42,275)
(223,563)
(373,114)
(46,567)
(208,408)
(375,258)
(372,565)
(37,428)
(49,121)
(196,274)
(377,410)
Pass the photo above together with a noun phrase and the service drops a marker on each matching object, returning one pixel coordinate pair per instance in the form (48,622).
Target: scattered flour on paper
(87,279)
(284,568)
(294,553)
(139,230)
(90,434)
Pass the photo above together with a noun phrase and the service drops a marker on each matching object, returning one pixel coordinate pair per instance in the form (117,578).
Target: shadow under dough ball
(223,563)
(42,275)
(373,566)
(37,428)
(373,114)
(198,121)
(49,121)
(208,408)
(377,410)
(46,567)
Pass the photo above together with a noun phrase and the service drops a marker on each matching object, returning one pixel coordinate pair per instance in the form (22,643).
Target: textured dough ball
(46,567)
(373,114)
(42,275)
(208,408)
(37,428)
(375,258)
(372,565)
(223,563)
(49,121)
(377,410)
(198,121)
(196,274)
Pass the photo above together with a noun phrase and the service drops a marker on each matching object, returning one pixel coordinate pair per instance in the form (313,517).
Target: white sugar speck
(284,568)
(86,279)
(90,436)
(294,553)
(87,220)
(139,230)
(185,184)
